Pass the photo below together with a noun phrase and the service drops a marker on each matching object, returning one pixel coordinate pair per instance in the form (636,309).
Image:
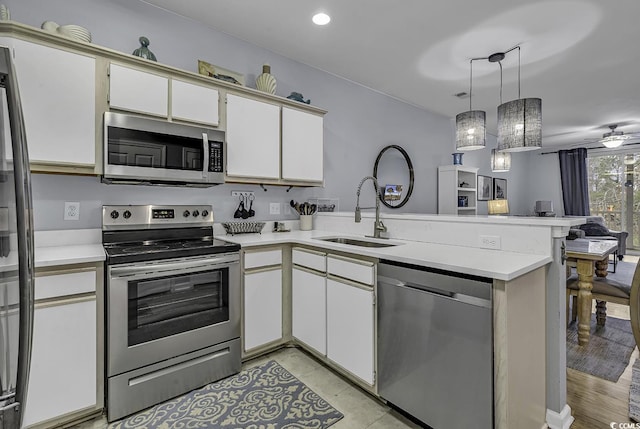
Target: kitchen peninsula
(526,269)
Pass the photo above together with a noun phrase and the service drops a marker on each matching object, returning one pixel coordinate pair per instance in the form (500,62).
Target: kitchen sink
(356,242)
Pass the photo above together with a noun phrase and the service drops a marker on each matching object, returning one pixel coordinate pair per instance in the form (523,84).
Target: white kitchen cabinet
(302,146)
(66,368)
(262,297)
(194,103)
(350,328)
(309,317)
(262,307)
(138,91)
(352,269)
(63,365)
(253,138)
(57,90)
(457,190)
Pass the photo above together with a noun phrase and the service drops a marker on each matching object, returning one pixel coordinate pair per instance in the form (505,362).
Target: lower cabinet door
(262,308)
(309,316)
(63,375)
(350,328)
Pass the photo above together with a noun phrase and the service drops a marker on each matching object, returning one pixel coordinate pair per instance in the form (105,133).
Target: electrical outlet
(490,242)
(274,208)
(71,210)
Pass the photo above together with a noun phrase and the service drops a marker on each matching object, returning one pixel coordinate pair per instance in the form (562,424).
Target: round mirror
(394,172)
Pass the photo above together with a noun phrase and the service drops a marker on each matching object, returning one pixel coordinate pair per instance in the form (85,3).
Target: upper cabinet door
(57,90)
(253,138)
(302,146)
(194,103)
(138,91)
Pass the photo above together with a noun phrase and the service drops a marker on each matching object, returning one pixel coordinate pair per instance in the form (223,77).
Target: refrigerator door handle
(24,215)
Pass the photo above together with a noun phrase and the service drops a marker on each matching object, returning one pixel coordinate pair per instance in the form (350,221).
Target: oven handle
(165,267)
(205,161)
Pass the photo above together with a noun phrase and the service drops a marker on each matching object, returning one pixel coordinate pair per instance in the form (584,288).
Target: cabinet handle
(205,149)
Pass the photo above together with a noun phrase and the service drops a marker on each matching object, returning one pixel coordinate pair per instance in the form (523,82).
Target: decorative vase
(266,82)
(143,51)
(457,158)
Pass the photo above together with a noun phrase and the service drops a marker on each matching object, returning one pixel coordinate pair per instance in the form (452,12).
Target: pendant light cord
(518,72)
(500,64)
(470,82)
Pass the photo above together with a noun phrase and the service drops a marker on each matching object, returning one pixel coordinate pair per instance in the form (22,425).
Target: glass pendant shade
(500,161)
(520,125)
(613,141)
(471,130)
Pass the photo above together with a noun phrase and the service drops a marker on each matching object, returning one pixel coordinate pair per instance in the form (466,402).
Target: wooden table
(586,253)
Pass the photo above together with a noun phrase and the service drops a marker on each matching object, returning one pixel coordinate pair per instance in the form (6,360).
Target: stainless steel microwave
(138,150)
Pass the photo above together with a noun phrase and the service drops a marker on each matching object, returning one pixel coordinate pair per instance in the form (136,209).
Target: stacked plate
(71,31)
(75,32)
(4,13)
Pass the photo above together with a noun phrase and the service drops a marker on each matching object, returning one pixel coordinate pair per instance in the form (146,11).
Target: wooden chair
(607,290)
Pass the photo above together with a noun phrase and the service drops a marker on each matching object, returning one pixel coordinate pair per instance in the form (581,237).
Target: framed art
(217,72)
(499,189)
(484,188)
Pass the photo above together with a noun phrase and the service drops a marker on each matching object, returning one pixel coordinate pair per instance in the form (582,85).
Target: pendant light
(519,121)
(471,126)
(500,161)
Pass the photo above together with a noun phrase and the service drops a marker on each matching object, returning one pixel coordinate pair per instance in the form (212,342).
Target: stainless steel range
(173,304)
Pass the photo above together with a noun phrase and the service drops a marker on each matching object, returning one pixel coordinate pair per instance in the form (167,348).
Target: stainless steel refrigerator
(16,251)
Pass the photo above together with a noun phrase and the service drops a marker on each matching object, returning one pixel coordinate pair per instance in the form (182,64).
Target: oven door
(162,309)
(141,149)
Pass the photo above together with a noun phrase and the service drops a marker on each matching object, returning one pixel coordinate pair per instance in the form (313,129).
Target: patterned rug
(634,392)
(263,397)
(608,352)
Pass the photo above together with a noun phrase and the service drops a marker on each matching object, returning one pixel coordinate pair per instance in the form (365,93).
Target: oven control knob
(205,213)
(114,214)
(196,213)
(126,214)
(186,213)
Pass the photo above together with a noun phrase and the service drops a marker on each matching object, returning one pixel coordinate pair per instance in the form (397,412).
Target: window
(614,193)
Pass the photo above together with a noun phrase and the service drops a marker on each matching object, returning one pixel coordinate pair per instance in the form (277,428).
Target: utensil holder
(306,222)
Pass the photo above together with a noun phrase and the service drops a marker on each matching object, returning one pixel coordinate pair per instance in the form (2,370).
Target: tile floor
(361,410)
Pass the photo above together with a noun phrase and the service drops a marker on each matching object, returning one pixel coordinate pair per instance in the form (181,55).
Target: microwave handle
(206,155)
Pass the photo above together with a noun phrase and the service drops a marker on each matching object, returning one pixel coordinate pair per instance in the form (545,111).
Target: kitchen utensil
(252,212)
(244,213)
(295,206)
(314,208)
(238,213)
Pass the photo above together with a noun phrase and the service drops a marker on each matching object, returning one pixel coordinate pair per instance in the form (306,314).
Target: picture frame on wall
(499,189)
(485,188)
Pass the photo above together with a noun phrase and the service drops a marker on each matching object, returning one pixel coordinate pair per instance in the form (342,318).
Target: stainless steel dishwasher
(435,345)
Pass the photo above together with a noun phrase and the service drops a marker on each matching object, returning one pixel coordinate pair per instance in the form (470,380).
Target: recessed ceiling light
(321,18)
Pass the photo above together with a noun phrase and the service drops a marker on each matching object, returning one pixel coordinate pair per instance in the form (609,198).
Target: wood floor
(596,403)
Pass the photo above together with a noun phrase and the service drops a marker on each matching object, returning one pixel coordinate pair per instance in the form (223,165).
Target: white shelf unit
(454,183)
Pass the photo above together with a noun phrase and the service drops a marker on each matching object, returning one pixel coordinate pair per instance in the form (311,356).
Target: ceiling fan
(613,138)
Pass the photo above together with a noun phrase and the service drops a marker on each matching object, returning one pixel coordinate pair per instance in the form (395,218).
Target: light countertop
(489,263)
(55,248)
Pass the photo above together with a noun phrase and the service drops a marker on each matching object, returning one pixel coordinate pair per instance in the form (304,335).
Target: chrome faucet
(378,226)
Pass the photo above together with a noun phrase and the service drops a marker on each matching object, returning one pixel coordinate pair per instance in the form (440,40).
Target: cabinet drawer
(50,286)
(262,259)
(352,269)
(310,259)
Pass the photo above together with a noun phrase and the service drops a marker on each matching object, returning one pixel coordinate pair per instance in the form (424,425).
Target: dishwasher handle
(467,299)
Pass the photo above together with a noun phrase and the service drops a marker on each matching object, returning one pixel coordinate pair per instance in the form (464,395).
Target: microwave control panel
(216,160)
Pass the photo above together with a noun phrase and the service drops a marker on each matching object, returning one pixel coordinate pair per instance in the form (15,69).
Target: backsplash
(50,192)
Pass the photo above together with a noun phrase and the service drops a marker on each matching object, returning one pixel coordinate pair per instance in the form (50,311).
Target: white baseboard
(561,420)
